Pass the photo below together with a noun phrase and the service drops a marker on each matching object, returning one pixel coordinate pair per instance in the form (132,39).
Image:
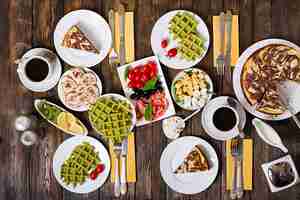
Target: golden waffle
(191,47)
(182,24)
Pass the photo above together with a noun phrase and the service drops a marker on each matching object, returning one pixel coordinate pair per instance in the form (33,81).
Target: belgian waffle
(76,168)
(182,24)
(111,118)
(191,47)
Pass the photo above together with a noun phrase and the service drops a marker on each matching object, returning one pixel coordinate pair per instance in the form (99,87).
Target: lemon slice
(65,120)
(76,128)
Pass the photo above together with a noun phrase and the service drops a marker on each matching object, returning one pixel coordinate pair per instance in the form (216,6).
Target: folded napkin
(247,164)
(234,39)
(129,55)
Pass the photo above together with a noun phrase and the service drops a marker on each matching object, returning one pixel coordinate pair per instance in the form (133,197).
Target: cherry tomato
(172,53)
(139,85)
(130,74)
(164,43)
(131,84)
(100,168)
(152,64)
(145,77)
(93,175)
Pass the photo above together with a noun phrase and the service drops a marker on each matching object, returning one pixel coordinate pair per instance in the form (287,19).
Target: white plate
(119,97)
(63,152)
(207,118)
(160,31)
(94,27)
(57,68)
(128,91)
(61,93)
(180,75)
(38,101)
(293,89)
(173,156)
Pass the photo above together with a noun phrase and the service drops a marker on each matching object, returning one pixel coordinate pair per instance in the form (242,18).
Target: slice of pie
(76,39)
(194,162)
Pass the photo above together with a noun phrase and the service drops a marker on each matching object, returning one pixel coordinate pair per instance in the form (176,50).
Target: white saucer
(94,27)
(160,32)
(53,80)
(188,183)
(207,118)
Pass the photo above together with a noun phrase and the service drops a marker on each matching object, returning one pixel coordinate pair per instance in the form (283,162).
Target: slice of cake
(195,161)
(76,39)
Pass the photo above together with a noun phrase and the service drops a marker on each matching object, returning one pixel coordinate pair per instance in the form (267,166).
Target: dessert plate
(292,89)
(188,183)
(160,32)
(64,151)
(94,27)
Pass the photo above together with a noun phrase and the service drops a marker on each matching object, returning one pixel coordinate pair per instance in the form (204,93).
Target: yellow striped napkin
(129,44)
(247,164)
(234,39)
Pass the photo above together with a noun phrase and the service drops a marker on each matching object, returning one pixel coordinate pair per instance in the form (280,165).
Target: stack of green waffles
(183,27)
(112,118)
(76,168)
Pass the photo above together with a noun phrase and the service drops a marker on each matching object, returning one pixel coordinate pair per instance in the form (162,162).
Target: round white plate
(160,31)
(180,75)
(57,68)
(207,118)
(291,88)
(61,93)
(173,156)
(63,152)
(94,27)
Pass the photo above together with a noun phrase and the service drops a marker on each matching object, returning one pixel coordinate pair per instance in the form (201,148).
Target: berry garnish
(164,43)
(172,52)
(93,175)
(100,168)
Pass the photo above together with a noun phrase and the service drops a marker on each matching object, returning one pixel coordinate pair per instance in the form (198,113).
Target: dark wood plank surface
(26,174)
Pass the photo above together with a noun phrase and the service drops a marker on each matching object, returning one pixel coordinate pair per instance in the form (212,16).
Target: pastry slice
(194,162)
(76,39)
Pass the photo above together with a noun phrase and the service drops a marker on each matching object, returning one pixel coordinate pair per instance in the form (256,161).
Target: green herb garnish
(150,85)
(148,112)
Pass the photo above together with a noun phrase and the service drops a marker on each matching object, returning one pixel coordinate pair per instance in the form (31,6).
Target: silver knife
(123,166)
(228,46)
(122,34)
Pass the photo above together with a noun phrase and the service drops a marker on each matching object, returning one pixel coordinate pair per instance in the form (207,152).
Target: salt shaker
(27,124)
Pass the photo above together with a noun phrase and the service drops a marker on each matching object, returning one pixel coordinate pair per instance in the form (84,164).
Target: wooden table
(26,174)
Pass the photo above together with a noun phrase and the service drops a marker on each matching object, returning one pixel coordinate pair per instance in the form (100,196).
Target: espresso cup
(46,56)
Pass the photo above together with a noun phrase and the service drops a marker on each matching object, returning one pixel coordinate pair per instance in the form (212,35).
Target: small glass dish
(281,173)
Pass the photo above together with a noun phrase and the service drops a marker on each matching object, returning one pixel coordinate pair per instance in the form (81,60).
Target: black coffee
(224,119)
(36,70)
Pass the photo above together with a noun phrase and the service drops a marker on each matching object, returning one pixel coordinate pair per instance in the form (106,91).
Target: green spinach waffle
(191,47)
(183,28)
(182,24)
(111,118)
(76,168)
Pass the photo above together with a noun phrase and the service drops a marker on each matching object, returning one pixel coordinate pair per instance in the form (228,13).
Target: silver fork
(117,150)
(113,56)
(237,181)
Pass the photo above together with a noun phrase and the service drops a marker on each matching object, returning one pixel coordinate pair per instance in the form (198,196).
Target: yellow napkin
(234,39)
(247,164)
(129,44)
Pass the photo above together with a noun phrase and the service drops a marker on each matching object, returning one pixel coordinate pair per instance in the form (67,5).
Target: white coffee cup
(52,62)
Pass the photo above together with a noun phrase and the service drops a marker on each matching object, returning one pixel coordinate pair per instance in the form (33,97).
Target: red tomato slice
(93,175)
(100,168)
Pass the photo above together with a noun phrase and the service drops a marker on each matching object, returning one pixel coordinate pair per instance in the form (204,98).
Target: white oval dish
(236,78)
(63,152)
(160,32)
(94,27)
(36,103)
(188,183)
(61,92)
(180,75)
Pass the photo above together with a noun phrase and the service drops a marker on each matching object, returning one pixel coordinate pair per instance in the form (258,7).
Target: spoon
(232,102)
(173,126)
